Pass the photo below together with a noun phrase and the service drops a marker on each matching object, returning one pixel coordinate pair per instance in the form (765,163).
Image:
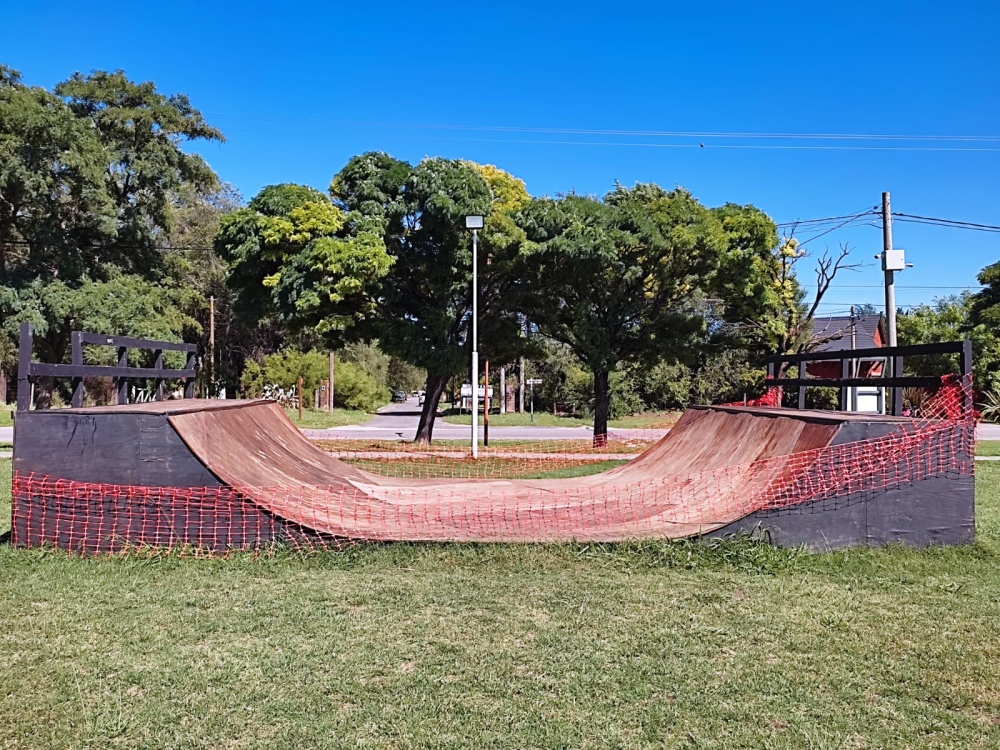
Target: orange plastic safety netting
(716,467)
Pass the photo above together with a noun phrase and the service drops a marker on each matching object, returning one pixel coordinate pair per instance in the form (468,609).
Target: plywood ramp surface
(711,469)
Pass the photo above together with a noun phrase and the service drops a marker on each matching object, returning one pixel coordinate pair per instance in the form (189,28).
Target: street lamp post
(475,223)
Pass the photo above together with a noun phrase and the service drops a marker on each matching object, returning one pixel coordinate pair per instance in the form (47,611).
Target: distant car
(399,397)
(420,398)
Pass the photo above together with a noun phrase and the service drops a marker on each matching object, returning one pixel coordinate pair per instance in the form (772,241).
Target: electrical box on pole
(893,260)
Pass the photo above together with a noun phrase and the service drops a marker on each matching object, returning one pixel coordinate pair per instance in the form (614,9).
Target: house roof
(839,328)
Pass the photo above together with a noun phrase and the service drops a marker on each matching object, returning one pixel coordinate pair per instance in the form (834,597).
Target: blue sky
(298,88)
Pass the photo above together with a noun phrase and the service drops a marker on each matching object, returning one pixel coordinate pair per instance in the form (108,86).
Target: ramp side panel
(114,448)
(122,448)
(919,511)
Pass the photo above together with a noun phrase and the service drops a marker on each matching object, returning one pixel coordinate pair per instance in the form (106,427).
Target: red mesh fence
(675,488)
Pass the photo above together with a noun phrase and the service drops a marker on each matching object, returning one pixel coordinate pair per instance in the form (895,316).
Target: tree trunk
(602,407)
(520,399)
(503,390)
(432,396)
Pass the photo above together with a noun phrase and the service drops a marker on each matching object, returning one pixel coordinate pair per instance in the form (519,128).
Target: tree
(951,318)
(356,387)
(983,327)
(788,327)
(142,132)
(86,176)
(619,279)
(53,199)
(764,306)
(424,310)
(753,284)
(191,263)
(293,259)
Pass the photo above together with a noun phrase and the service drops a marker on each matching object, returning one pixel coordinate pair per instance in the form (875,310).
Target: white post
(475,346)
(503,390)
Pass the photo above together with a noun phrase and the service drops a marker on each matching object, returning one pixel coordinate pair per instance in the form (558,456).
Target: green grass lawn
(988,448)
(542,419)
(320,419)
(551,646)
(657,419)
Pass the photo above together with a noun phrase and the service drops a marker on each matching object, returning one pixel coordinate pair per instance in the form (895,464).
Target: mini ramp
(224,475)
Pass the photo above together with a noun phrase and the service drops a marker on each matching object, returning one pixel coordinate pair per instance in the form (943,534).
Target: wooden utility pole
(211,347)
(888,266)
(854,362)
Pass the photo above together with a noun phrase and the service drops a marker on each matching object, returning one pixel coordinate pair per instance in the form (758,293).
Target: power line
(913,219)
(628,144)
(828,220)
(903,288)
(851,220)
(629,132)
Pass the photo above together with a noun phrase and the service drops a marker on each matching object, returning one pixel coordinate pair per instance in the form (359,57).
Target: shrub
(990,408)
(354,388)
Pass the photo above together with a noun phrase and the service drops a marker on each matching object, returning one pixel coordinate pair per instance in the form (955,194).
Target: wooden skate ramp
(223,475)
(713,468)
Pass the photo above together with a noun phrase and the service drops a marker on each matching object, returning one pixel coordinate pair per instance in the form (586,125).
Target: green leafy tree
(86,176)
(953,318)
(292,259)
(142,132)
(754,282)
(424,311)
(984,328)
(619,279)
(53,199)
(764,308)
(192,264)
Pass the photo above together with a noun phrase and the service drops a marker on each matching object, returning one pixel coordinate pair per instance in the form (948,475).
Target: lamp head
(473,222)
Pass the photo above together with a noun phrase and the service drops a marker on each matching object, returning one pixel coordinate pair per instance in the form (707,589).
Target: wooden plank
(97,371)
(131,343)
(122,382)
(25,346)
(897,391)
(189,385)
(158,364)
(77,359)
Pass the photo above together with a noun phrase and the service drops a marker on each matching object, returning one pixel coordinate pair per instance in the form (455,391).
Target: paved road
(397,421)
(988,432)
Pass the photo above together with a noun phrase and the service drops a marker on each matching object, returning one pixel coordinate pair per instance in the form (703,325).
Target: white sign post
(532,382)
